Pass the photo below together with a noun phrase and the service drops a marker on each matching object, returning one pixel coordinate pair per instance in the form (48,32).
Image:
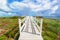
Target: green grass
(8,24)
(51,28)
(2,37)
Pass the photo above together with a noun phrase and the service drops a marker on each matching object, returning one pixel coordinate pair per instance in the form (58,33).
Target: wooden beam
(19,21)
(41,23)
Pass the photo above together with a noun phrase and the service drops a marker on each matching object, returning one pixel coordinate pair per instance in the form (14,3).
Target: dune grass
(51,28)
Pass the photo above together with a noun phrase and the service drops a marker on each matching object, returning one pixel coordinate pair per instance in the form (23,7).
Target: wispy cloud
(31,7)
(54,8)
(3,14)
(40,5)
(4,9)
(3,5)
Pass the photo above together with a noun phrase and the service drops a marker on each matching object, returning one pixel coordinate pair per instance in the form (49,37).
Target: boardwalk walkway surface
(30,32)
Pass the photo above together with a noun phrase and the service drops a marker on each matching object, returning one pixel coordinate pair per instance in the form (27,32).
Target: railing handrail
(23,20)
(37,26)
(22,27)
(34,22)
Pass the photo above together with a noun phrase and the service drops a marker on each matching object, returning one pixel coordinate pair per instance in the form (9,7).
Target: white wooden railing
(24,21)
(37,26)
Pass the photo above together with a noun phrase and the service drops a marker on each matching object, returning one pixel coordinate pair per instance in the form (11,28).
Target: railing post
(19,20)
(41,23)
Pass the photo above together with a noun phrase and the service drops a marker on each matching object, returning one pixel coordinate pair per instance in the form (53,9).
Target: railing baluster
(41,23)
(19,20)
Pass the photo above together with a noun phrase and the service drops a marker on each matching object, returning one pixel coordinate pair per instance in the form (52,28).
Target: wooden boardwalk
(30,31)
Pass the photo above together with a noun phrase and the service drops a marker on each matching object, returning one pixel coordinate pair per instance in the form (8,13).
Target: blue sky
(29,8)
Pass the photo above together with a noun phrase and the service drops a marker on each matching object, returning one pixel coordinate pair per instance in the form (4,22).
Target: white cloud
(55,1)
(3,14)
(54,9)
(39,1)
(45,5)
(3,5)
(18,5)
(41,5)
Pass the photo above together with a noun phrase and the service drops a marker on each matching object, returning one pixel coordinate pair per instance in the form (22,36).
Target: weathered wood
(41,23)
(31,33)
(19,20)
